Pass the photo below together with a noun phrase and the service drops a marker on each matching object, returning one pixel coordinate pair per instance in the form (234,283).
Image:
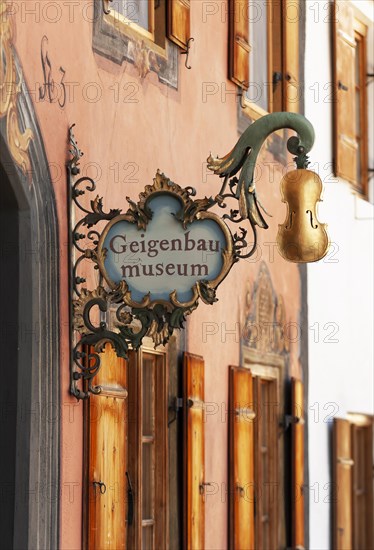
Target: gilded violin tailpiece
(302,238)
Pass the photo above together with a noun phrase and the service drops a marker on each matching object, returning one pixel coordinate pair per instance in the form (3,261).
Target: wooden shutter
(342,488)
(362,483)
(106,456)
(178,21)
(298,540)
(239,42)
(194,511)
(345,144)
(266,452)
(148,449)
(291,79)
(241,459)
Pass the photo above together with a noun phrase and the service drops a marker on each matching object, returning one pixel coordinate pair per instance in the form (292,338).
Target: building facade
(245,430)
(333,392)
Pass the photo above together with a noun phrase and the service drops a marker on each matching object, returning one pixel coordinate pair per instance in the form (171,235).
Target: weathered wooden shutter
(178,21)
(194,488)
(239,42)
(298,539)
(106,432)
(345,143)
(241,459)
(291,78)
(342,484)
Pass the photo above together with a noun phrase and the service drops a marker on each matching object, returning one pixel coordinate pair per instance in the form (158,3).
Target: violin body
(302,238)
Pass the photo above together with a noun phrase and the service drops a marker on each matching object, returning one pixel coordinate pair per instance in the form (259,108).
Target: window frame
(135,31)
(350,33)
(123,22)
(119,44)
(271,367)
(135,445)
(272,389)
(277,38)
(251,108)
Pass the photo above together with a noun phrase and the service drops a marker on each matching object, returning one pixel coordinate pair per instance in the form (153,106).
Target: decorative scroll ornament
(155,262)
(165,253)
(19,139)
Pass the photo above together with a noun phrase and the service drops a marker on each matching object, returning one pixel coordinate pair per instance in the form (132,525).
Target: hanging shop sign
(169,250)
(166,252)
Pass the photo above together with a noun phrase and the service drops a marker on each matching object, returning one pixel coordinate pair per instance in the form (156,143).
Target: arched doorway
(9,322)
(30,353)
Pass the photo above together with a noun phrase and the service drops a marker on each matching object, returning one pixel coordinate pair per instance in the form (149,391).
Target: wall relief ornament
(265,317)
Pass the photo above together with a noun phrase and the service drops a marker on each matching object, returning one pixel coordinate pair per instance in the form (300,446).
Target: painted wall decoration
(116,42)
(49,89)
(265,317)
(18,138)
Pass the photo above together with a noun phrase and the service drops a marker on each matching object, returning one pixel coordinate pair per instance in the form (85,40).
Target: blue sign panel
(165,256)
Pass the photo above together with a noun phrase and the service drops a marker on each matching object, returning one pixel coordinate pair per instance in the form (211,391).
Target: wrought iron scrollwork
(186,52)
(83,241)
(130,321)
(109,313)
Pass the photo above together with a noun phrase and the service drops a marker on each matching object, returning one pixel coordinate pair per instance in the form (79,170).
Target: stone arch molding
(24,162)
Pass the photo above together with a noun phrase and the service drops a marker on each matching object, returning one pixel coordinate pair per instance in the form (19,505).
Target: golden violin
(302,238)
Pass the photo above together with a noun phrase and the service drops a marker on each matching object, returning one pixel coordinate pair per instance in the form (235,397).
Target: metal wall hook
(102,486)
(240,95)
(277,77)
(291,419)
(106,9)
(342,86)
(175,407)
(186,52)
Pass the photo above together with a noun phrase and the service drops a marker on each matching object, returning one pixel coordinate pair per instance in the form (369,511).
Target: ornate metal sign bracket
(120,311)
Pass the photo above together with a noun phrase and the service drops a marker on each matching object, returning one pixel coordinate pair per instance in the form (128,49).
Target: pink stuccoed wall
(166,129)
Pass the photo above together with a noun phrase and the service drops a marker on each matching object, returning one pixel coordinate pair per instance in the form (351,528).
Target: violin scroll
(302,238)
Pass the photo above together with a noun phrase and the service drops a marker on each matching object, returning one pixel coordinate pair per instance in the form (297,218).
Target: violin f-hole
(311,219)
(289,225)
